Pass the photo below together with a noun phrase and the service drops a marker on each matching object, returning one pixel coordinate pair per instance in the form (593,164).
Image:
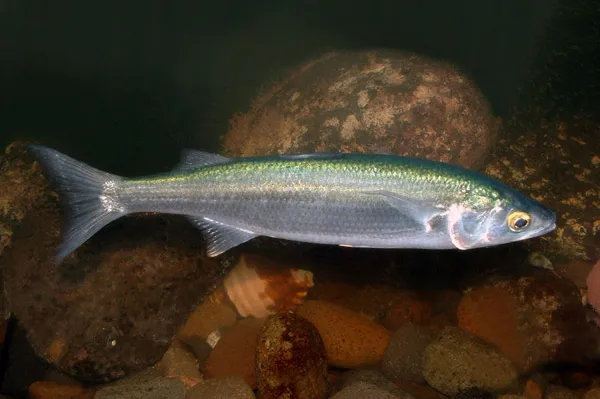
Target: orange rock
(532,390)
(207,317)
(52,390)
(491,313)
(351,339)
(234,354)
(535,318)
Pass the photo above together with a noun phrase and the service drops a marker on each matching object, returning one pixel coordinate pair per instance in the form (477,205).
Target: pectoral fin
(419,213)
(220,237)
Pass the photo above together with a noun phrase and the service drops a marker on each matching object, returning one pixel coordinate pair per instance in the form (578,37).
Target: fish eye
(518,221)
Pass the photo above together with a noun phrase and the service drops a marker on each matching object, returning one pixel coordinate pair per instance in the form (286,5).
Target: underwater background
(136,83)
(125,86)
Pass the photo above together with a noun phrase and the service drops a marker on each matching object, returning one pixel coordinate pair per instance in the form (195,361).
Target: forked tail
(89,197)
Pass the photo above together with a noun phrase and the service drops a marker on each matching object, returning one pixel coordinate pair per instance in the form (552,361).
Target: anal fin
(220,237)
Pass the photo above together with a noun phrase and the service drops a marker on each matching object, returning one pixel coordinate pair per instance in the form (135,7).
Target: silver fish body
(362,200)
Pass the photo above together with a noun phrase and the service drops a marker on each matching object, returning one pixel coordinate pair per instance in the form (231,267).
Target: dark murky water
(125,87)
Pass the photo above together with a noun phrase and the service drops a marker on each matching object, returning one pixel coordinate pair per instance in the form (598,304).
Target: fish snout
(547,219)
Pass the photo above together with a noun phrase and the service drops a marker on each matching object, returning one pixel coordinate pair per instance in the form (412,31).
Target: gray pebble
(362,390)
(369,375)
(221,387)
(145,385)
(402,359)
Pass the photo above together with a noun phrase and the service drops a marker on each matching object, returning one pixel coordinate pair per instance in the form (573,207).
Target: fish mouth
(550,228)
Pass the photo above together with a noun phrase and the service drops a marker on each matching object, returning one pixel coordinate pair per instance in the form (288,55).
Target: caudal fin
(88,196)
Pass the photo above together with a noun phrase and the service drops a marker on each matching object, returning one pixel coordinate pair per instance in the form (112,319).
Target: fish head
(509,217)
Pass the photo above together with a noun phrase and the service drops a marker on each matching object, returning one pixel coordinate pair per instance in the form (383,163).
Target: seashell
(538,259)
(259,287)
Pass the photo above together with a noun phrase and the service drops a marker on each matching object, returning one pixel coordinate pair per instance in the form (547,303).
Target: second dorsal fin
(192,159)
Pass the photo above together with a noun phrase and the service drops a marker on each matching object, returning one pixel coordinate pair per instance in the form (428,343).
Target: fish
(346,199)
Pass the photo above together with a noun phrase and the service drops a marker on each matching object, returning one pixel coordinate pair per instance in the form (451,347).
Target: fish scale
(364,200)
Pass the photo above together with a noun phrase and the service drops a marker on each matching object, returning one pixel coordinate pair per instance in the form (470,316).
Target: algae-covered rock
(457,361)
(559,165)
(113,306)
(291,361)
(369,101)
(22,185)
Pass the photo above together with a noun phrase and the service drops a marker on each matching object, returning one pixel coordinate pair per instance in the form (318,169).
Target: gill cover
(469,229)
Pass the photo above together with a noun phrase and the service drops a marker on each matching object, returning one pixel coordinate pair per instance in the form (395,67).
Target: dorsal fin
(192,159)
(314,155)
